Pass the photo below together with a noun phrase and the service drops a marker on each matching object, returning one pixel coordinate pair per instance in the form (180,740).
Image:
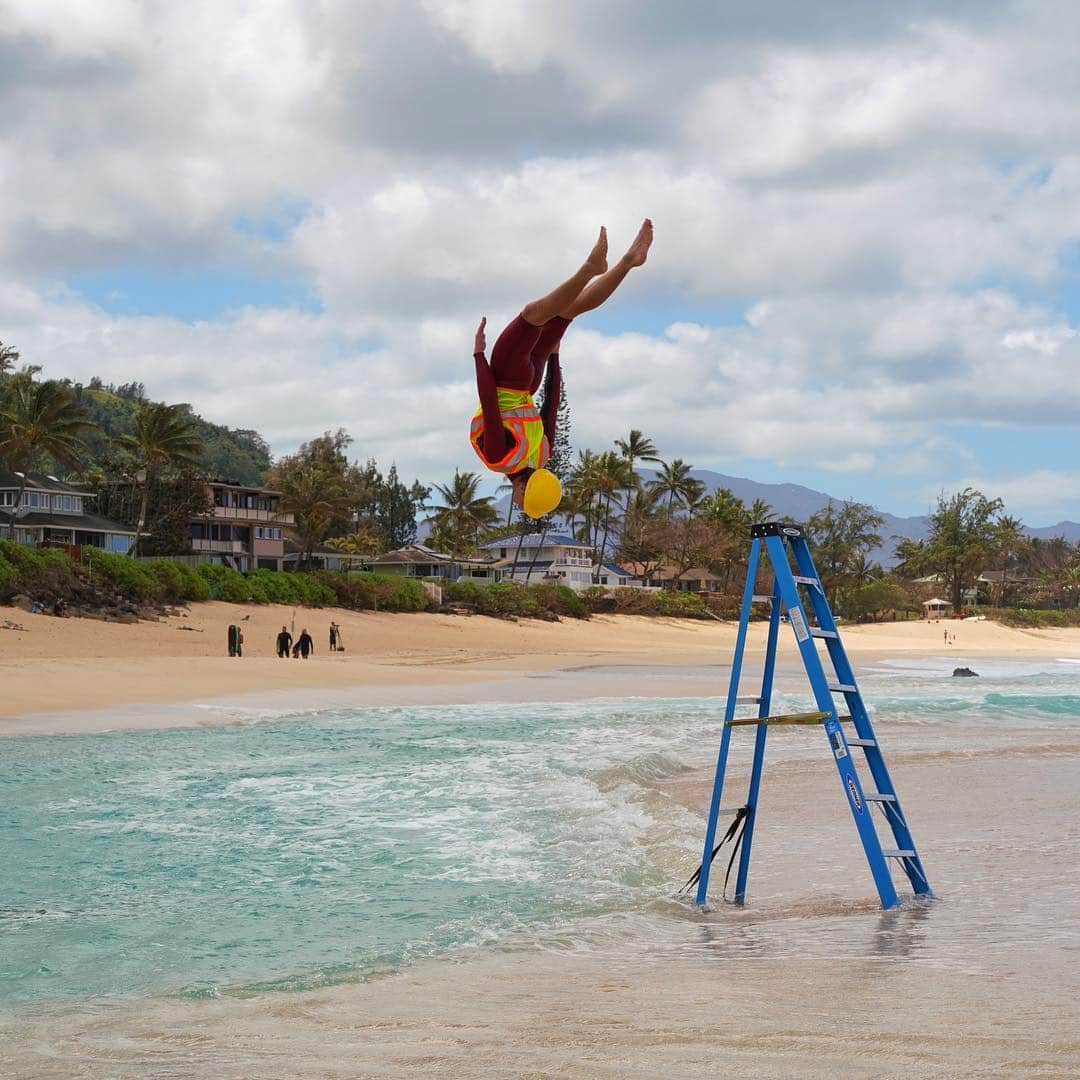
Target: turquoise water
(299,851)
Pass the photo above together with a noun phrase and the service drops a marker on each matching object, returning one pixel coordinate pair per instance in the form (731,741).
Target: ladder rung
(760,599)
(876,796)
(783,718)
(805,580)
(860,742)
(748,701)
(816,631)
(730,809)
(843,688)
(898,853)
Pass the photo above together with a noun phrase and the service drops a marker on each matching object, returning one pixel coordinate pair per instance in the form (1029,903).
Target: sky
(292,214)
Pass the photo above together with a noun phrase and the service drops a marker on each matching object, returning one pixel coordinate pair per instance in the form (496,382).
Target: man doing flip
(508,431)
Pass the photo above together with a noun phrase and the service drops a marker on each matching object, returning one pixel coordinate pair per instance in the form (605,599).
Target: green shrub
(683,605)
(1033,617)
(8,575)
(374,592)
(29,563)
(178,583)
(127,576)
(509,598)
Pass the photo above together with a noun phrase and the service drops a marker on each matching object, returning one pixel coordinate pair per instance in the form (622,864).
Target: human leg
(538,312)
(596,292)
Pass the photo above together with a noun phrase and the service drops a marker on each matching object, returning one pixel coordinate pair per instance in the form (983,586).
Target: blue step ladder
(784,543)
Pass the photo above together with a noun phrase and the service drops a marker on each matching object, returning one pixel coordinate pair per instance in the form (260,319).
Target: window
(67,502)
(76,503)
(258,532)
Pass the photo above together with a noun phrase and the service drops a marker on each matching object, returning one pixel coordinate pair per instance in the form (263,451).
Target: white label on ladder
(838,745)
(798,624)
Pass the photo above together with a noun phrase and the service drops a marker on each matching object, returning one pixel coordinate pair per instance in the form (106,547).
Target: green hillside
(234,454)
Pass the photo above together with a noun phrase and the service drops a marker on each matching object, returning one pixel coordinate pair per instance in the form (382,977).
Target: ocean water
(287,852)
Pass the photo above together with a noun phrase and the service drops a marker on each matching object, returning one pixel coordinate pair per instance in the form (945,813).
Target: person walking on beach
(304,644)
(508,432)
(333,637)
(284,644)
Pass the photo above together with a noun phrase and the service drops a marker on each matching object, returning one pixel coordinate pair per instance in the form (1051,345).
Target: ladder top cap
(776,528)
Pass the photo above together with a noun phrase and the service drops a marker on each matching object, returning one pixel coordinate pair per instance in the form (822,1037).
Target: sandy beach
(57,667)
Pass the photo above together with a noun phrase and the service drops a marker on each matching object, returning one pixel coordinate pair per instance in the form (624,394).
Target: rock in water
(965,673)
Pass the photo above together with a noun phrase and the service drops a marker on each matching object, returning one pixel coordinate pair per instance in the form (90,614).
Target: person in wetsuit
(284,643)
(304,644)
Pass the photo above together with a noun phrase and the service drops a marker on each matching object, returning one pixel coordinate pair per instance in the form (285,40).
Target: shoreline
(70,676)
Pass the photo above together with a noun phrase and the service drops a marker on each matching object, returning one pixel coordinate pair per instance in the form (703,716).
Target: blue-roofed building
(615,576)
(550,557)
(555,558)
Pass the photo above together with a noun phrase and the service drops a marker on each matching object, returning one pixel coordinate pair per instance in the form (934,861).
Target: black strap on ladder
(735,831)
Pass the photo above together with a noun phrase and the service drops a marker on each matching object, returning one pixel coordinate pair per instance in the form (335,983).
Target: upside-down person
(508,431)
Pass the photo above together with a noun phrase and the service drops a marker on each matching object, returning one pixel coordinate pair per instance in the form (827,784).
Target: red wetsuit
(517,363)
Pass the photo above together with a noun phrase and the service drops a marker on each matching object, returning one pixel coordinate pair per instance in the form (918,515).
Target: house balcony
(220,547)
(239,513)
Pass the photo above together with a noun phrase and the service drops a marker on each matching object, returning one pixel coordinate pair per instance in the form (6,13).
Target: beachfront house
(555,558)
(54,513)
(322,557)
(544,557)
(245,529)
(696,579)
(418,561)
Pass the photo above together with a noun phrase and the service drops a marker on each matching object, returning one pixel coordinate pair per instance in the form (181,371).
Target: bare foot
(597,260)
(639,249)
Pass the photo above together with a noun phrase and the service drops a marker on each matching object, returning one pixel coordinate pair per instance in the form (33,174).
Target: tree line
(153,477)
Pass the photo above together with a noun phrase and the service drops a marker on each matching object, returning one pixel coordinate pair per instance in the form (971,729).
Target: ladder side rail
(875,759)
(768,671)
(860,809)
(845,674)
(729,714)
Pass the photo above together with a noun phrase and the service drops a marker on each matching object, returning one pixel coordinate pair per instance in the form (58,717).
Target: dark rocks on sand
(965,673)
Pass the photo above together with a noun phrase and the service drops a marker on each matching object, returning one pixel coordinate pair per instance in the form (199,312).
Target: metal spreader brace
(781,541)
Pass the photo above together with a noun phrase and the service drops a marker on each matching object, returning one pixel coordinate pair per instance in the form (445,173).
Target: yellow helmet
(543,493)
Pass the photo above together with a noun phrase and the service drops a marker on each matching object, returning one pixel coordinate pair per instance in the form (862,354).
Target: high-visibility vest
(528,444)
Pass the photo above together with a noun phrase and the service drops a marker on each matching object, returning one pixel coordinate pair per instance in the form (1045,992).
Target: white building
(556,559)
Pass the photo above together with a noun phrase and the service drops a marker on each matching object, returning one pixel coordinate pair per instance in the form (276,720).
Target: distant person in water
(304,644)
(284,643)
(508,431)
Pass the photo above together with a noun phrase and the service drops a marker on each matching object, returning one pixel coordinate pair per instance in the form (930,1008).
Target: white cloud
(893,197)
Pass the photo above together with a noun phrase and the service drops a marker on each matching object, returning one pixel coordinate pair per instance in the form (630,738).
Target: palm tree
(694,495)
(584,485)
(463,515)
(40,419)
(1011,540)
(162,436)
(8,355)
(672,481)
(614,474)
(760,511)
(636,447)
(317,495)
